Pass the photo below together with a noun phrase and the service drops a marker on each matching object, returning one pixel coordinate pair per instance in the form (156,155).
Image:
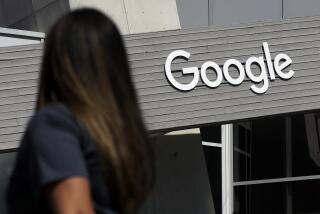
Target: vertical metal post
(288,156)
(227,168)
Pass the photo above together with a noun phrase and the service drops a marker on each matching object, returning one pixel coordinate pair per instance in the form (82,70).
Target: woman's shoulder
(52,145)
(53,116)
(53,112)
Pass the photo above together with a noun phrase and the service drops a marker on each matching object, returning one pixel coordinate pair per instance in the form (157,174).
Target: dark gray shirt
(54,147)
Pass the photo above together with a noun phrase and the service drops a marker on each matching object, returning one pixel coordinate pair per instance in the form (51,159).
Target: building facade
(229,92)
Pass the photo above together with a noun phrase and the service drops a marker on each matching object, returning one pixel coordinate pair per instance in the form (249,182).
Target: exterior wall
(165,107)
(12,37)
(19,73)
(35,15)
(182,184)
(296,8)
(19,70)
(9,41)
(193,13)
(6,165)
(217,12)
(9,37)
(136,16)
(131,16)
(19,67)
(115,9)
(22,9)
(245,11)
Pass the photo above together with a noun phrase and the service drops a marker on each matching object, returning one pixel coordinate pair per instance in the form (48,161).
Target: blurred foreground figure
(86,149)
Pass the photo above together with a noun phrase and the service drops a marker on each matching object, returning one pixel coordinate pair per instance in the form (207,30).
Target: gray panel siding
(19,71)
(165,108)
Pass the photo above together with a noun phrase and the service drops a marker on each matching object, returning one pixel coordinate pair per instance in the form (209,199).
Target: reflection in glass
(277,165)
(273,148)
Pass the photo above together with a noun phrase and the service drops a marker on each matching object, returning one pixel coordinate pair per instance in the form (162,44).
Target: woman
(86,149)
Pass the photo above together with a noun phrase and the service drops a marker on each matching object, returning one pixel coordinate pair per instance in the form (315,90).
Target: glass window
(278,198)
(273,148)
(276,165)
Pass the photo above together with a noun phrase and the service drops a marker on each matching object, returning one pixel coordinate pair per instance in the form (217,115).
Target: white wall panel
(152,15)
(114,8)
(9,41)
(136,16)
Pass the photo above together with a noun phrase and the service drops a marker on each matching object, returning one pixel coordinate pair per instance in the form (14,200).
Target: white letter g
(190,70)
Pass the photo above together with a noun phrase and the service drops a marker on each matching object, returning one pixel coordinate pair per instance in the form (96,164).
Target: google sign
(270,68)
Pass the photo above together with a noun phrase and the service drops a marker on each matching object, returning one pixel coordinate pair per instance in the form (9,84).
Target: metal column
(227,169)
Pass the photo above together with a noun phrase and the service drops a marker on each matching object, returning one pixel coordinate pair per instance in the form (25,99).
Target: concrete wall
(136,16)
(132,16)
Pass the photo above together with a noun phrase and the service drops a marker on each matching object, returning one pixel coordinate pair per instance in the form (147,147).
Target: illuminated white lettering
(281,62)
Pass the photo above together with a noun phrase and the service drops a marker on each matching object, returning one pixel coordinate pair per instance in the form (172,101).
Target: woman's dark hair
(85,67)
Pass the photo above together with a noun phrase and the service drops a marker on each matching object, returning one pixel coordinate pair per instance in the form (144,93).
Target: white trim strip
(277,180)
(15,32)
(9,146)
(211,144)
